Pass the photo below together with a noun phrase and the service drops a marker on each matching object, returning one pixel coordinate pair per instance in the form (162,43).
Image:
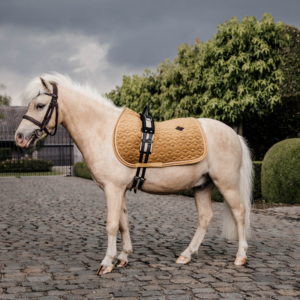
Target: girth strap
(148,130)
(53,104)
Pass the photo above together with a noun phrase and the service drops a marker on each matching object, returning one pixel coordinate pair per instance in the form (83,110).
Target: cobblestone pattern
(52,240)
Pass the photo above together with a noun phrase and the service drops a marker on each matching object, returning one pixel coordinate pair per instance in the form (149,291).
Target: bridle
(53,104)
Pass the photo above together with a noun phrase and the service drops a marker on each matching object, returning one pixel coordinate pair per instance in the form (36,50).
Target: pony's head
(38,92)
(36,95)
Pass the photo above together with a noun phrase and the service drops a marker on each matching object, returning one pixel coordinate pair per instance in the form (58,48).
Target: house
(60,149)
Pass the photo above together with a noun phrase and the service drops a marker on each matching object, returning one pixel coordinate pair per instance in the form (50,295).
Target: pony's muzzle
(20,140)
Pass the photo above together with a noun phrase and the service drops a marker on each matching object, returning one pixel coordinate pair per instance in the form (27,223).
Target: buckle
(135,182)
(142,180)
(147,124)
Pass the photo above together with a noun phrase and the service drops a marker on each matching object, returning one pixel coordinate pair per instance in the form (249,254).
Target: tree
(4,100)
(284,121)
(232,76)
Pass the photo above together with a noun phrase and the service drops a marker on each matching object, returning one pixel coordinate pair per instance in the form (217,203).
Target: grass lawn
(17,174)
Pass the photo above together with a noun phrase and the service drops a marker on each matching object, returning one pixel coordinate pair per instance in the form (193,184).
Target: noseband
(53,104)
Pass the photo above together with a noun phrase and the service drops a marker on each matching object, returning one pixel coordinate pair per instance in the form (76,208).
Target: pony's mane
(35,87)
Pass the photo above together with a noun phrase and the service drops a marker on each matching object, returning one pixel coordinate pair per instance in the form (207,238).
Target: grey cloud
(28,54)
(141,32)
(33,34)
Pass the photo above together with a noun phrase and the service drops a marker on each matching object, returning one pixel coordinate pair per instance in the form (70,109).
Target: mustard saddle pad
(176,142)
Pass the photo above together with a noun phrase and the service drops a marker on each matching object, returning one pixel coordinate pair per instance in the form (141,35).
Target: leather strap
(52,105)
(148,129)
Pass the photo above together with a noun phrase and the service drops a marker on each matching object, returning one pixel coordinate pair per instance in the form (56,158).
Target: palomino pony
(90,119)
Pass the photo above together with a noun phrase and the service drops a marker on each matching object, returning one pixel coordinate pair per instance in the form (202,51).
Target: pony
(90,120)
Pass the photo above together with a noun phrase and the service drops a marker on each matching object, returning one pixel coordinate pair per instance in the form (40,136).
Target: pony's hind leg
(235,208)
(205,215)
(233,178)
(122,260)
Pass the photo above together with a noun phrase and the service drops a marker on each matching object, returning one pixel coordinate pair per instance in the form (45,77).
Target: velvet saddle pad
(176,142)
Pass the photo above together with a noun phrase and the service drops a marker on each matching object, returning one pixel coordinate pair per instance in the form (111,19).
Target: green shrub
(217,196)
(81,170)
(26,165)
(5,153)
(280,180)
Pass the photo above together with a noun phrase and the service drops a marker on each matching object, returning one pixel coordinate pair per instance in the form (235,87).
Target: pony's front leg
(114,196)
(126,241)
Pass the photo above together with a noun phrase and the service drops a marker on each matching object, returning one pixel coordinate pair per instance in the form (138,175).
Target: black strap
(148,130)
(52,105)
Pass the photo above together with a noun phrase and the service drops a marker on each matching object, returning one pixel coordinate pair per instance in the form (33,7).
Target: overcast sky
(99,41)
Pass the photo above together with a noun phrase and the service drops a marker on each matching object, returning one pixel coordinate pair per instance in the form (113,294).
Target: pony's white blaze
(90,119)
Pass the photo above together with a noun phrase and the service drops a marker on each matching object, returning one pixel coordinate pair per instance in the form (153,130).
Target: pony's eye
(40,106)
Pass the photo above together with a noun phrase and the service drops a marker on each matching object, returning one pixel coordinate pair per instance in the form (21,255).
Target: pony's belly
(174,179)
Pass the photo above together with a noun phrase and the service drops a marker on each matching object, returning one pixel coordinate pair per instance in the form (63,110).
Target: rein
(53,104)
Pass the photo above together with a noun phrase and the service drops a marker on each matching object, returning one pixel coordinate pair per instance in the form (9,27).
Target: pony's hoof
(240,261)
(182,260)
(104,270)
(120,263)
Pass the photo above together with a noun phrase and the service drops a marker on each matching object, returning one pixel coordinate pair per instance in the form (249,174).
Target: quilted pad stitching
(170,146)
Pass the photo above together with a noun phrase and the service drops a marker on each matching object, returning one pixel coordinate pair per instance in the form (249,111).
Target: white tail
(245,191)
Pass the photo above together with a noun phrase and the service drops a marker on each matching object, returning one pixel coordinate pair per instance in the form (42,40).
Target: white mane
(35,87)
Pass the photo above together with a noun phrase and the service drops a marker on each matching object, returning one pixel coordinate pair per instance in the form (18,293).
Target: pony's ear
(46,84)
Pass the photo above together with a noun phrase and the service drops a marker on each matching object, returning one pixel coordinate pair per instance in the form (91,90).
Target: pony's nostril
(20,137)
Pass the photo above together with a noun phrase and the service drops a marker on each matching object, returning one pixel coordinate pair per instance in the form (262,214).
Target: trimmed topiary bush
(281,173)
(81,170)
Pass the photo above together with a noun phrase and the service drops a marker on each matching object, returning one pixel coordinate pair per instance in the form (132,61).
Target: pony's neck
(88,121)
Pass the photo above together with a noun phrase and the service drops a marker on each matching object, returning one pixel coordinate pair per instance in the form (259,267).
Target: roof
(12,118)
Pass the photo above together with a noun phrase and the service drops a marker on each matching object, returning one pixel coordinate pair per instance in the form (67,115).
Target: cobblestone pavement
(52,240)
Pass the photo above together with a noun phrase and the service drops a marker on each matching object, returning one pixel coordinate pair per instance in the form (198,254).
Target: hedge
(281,124)
(81,170)
(5,153)
(280,173)
(26,165)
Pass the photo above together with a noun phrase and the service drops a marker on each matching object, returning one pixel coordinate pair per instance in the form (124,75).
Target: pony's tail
(245,190)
